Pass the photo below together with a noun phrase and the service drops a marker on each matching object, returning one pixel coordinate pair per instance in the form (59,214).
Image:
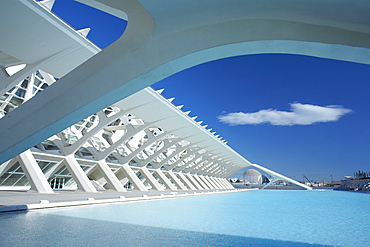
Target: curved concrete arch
(161,40)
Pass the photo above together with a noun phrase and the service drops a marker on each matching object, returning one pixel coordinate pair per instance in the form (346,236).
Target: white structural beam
(216,183)
(109,176)
(149,177)
(33,173)
(219,183)
(201,182)
(227,184)
(165,180)
(7,165)
(66,48)
(212,184)
(78,174)
(133,178)
(194,181)
(207,182)
(186,181)
(176,180)
(282,177)
(159,43)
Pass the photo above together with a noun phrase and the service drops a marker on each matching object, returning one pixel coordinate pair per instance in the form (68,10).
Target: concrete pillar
(218,186)
(227,183)
(146,173)
(214,186)
(209,185)
(205,187)
(186,181)
(78,174)
(177,181)
(165,180)
(33,173)
(222,184)
(133,178)
(109,176)
(193,181)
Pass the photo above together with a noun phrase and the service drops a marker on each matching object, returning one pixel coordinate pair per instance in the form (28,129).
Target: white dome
(252,176)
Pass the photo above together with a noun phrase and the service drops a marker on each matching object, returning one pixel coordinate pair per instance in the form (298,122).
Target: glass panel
(38,74)
(16,101)
(25,83)
(45,166)
(3,97)
(37,82)
(22,181)
(20,93)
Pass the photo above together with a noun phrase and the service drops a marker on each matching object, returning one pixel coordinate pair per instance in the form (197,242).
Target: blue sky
(296,115)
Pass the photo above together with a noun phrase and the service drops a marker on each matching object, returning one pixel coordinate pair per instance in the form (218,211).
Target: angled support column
(78,174)
(109,176)
(200,181)
(182,168)
(7,165)
(177,181)
(33,173)
(222,182)
(209,185)
(193,181)
(186,181)
(133,178)
(216,183)
(228,183)
(146,173)
(206,179)
(165,180)
(272,181)
(54,169)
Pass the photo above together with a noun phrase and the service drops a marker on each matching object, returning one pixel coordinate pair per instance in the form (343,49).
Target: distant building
(252,176)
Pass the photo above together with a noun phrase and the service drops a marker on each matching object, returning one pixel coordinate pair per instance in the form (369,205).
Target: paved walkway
(26,200)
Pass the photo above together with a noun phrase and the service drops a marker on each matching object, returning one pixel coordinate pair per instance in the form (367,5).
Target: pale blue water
(253,218)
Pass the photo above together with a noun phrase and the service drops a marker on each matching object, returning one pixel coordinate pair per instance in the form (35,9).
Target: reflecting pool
(251,218)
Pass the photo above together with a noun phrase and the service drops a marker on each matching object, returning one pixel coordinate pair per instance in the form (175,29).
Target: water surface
(253,218)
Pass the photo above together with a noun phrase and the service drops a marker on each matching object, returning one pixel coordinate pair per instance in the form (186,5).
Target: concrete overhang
(31,34)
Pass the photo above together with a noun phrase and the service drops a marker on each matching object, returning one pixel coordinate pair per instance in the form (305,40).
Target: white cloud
(300,114)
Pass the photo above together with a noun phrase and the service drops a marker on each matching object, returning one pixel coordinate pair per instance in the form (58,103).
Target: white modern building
(82,133)
(252,176)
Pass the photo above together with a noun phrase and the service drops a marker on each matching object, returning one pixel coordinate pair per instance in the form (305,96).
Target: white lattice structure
(143,142)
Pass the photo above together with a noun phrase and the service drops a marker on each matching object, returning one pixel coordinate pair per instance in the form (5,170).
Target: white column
(211,182)
(209,185)
(227,183)
(78,174)
(186,181)
(146,173)
(33,173)
(133,178)
(177,181)
(7,165)
(205,187)
(109,176)
(165,180)
(195,183)
(218,186)
(221,183)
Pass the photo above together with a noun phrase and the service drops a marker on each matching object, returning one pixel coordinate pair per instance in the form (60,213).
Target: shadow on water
(32,229)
